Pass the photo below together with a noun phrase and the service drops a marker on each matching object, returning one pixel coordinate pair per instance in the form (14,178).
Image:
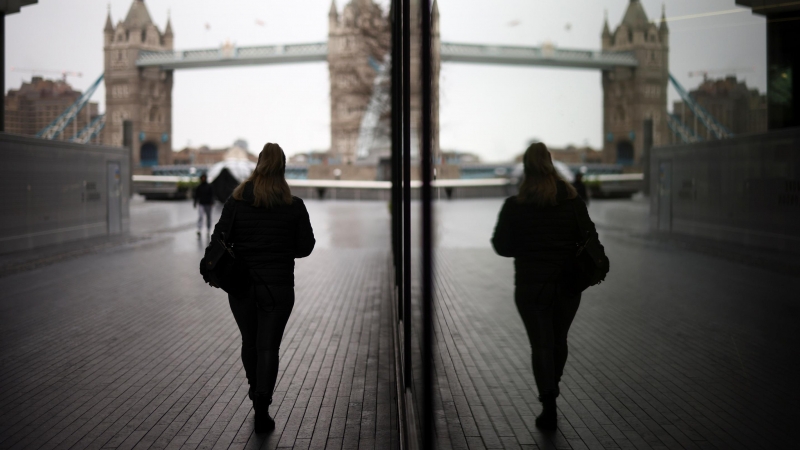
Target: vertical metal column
(3,69)
(127,142)
(647,139)
(407,375)
(426,174)
(397,152)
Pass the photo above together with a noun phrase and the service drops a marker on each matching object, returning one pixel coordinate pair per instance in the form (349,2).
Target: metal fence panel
(55,192)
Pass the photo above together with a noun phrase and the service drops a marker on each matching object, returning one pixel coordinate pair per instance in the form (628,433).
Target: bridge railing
(232,55)
(546,55)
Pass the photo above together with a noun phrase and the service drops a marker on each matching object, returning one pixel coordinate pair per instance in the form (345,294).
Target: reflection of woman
(271,228)
(539,229)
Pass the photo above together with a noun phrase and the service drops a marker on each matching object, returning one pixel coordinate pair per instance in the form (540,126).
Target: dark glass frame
(416,415)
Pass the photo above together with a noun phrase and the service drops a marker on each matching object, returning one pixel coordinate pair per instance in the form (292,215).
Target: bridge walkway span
(544,56)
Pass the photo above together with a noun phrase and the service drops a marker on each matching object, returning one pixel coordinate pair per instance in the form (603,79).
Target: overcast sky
(490,110)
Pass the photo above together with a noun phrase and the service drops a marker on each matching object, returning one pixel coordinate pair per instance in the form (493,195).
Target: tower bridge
(140,61)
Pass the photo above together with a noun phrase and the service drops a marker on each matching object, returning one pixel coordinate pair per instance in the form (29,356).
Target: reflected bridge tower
(635,98)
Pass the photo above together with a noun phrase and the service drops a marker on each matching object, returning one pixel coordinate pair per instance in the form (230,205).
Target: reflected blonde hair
(269,180)
(540,185)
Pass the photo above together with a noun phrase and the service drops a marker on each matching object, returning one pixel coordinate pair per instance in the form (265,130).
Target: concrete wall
(461,192)
(348,172)
(55,192)
(330,193)
(744,190)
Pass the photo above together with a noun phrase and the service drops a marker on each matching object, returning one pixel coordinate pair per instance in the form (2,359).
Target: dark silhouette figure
(204,195)
(224,184)
(271,228)
(539,229)
(580,187)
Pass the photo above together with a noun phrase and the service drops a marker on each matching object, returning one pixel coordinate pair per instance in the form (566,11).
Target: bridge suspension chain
(377,105)
(682,131)
(716,128)
(90,131)
(57,126)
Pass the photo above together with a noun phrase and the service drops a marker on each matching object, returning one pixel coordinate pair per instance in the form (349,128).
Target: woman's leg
(208,210)
(535,304)
(273,314)
(200,214)
(563,313)
(245,313)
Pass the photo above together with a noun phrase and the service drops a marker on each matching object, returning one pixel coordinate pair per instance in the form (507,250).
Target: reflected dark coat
(268,239)
(540,238)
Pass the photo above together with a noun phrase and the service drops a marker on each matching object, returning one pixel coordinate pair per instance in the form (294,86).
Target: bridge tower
(141,95)
(635,99)
(360,33)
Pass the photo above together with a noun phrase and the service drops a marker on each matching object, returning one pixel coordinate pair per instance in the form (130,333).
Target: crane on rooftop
(64,73)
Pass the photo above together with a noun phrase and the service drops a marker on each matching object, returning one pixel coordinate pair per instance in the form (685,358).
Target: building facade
(738,108)
(635,99)
(35,105)
(140,95)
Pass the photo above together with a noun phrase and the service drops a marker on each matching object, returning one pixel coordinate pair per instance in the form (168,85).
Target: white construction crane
(730,71)
(64,73)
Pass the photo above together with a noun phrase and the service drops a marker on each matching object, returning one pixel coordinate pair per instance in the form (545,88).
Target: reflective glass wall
(621,95)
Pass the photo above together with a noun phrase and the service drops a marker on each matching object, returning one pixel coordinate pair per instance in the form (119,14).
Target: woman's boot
(264,423)
(547,419)
(251,394)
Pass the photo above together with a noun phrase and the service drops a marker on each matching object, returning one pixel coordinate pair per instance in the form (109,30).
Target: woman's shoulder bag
(221,268)
(590,265)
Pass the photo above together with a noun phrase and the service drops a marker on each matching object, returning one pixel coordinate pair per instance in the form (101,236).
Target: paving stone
(677,349)
(130,349)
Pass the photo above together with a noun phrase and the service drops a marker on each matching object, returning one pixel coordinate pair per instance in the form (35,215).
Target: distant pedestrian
(270,229)
(204,195)
(539,229)
(580,187)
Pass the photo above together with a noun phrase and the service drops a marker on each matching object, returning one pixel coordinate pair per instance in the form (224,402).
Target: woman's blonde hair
(540,185)
(269,180)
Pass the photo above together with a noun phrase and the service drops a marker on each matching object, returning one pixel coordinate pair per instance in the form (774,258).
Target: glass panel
(607,99)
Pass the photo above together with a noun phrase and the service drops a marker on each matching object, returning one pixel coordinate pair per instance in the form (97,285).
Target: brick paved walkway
(129,349)
(677,350)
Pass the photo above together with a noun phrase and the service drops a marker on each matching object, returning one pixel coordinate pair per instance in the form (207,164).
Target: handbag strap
(583,238)
(229,233)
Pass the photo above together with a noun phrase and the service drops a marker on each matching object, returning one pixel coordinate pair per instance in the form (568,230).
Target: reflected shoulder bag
(221,268)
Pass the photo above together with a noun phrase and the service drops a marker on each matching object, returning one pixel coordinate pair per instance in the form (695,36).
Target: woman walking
(270,229)
(539,228)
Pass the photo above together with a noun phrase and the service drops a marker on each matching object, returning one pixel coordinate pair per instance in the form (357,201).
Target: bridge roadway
(127,348)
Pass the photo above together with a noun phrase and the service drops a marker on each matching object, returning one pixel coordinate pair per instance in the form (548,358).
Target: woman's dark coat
(268,239)
(203,194)
(540,238)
